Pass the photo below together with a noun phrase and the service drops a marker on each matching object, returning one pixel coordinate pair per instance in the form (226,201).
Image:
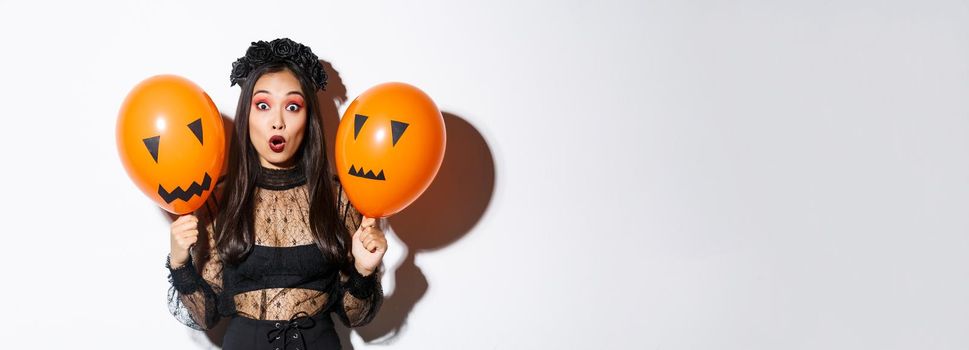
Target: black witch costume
(281,294)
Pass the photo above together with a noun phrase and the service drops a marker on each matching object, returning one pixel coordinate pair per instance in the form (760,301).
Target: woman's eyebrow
(289,93)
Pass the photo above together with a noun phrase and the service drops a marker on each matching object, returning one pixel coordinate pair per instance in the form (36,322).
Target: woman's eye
(262,105)
(292,107)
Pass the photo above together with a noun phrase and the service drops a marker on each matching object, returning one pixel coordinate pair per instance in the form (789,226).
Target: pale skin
(278,110)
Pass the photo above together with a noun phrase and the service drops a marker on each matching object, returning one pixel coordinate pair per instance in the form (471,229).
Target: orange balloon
(172,142)
(389,146)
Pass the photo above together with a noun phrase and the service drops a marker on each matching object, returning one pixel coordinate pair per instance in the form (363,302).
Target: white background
(653,174)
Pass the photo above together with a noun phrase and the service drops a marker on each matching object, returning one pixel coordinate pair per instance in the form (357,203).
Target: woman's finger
(366,236)
(378,244)
(189,233)
(188,241)
(367,222)
(186,218)
(184,226)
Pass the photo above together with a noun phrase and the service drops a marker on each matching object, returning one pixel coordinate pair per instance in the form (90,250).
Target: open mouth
(367,174)
(277,143)
(195,189)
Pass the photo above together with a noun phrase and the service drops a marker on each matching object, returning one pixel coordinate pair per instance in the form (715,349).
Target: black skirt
(302,332)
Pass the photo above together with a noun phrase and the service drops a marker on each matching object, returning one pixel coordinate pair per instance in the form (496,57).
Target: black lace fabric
(281,210)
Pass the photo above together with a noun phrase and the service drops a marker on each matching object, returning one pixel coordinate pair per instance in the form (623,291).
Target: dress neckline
(283,247)
(280,179)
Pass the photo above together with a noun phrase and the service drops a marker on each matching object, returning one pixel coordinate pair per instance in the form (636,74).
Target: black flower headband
(261,52)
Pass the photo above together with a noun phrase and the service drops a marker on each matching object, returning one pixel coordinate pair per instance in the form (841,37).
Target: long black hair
(234,222)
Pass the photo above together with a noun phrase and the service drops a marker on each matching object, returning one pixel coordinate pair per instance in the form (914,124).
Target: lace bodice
(285,273)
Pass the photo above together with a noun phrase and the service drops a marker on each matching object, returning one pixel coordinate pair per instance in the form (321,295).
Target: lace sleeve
(360,297)
(196,286)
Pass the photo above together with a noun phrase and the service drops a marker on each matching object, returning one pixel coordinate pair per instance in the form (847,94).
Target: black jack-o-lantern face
(397,129)
(172,143)
(389,146)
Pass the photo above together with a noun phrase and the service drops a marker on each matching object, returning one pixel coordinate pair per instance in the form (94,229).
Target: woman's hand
(369,245)
(184,234)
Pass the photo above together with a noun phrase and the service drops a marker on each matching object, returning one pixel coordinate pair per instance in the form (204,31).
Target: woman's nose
(278,123)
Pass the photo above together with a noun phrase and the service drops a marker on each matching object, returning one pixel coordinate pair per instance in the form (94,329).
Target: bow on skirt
(291,330)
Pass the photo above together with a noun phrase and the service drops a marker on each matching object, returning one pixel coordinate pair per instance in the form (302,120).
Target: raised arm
(196,283)
(360,296)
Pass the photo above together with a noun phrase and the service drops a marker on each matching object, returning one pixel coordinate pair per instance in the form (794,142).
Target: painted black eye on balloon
(398,129)
(152,144)
(358,121)
(196,128)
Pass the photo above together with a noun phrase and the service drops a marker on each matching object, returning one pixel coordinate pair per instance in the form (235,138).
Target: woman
(277,256)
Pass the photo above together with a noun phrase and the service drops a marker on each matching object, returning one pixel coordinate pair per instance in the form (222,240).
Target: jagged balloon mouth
(195,189)
(367,174)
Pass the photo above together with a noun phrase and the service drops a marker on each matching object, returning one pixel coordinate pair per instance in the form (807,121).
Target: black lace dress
(281,295)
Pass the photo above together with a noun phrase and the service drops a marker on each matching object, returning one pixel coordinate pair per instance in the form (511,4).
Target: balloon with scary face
(171,141)
(389,146)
